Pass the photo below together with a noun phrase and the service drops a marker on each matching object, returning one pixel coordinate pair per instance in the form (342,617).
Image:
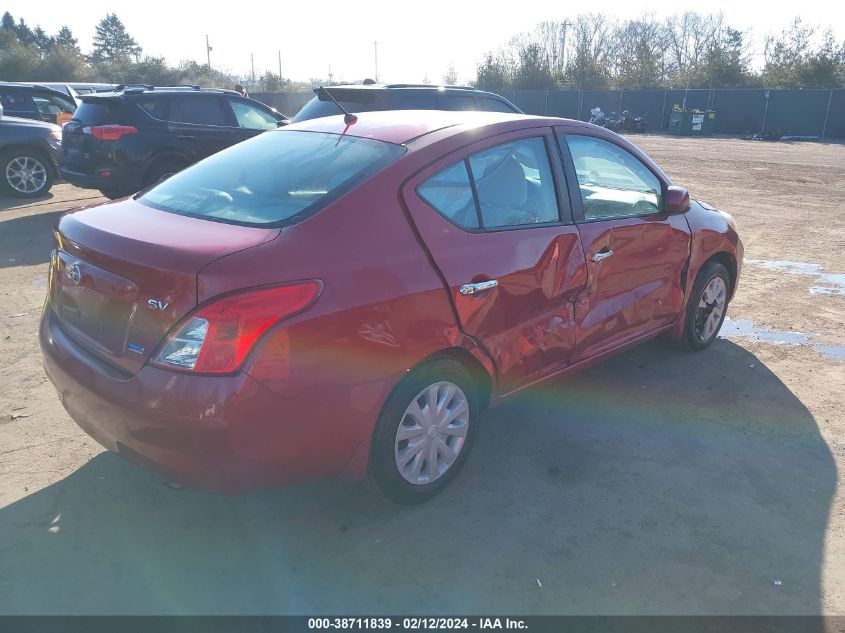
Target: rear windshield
(95,113)
(276,178)
(355,100)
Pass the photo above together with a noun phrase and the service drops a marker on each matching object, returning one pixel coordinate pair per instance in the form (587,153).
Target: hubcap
(26,174)
(432,433)
(711,307)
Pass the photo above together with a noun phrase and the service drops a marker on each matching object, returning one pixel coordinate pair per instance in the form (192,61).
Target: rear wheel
(707,306)
(425,432)
(25,173)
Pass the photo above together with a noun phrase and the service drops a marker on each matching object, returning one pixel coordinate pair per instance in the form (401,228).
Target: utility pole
(375,48)
(208,51)
(252,61)
(280,68)
(330,74)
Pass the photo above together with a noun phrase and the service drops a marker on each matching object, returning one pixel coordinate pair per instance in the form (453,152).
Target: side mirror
(677,200)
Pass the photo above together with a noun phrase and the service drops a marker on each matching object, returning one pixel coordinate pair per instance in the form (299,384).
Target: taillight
(217,337)
(109,132)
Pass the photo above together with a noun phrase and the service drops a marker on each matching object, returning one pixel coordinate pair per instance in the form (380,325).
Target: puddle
(833,283)
(743,328)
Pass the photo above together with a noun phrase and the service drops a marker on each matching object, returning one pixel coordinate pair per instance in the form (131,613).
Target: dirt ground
(659,482)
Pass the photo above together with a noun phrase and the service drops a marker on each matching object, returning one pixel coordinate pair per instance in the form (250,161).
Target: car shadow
(27,240)
(658,482)
(7,202)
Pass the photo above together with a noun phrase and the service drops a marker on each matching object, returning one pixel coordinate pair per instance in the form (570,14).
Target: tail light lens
(110,132)
(217,337)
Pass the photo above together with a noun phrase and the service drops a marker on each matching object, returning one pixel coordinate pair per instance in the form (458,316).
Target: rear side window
(157,108)
(456,102)
(16,100)
(418,102)
(513,182)
(96,113)
(198,110)
(493,105)
(273,179)
(450,194)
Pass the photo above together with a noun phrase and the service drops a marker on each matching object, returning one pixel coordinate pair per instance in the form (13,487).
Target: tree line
(690,50)
(30,54)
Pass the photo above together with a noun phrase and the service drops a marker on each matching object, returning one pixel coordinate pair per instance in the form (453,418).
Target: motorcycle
(633,123)
(626,122)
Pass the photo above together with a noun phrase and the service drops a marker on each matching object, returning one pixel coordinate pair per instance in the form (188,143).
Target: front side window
(514,184)
(250,117)
(198,110)
(272,179)
(613,182)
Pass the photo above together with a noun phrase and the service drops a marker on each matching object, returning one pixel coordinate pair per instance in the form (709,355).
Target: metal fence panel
(799,112)
(738,111)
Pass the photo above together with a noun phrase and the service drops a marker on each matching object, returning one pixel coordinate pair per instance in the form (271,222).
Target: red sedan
(332,298)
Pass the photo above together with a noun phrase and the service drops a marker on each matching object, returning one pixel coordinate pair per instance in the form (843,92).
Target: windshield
(279,177)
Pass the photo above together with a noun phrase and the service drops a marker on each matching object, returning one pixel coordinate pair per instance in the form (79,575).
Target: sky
(415,40)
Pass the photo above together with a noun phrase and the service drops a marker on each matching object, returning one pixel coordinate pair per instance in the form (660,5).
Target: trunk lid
(78,145)
(123,274)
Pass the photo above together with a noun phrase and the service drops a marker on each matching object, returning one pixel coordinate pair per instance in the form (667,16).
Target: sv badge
(156,304)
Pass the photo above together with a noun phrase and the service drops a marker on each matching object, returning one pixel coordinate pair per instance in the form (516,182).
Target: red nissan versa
(322,300)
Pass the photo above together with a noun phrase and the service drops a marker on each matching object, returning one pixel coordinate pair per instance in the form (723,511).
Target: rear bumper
(227,433)
(120,179)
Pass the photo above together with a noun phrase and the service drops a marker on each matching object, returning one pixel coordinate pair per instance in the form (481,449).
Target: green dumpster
(692,122)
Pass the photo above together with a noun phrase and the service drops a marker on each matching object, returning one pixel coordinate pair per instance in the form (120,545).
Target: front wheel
(707,306)
(424,433)
(25,173)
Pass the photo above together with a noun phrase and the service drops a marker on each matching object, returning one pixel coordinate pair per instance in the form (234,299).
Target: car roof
(439,88)
(30,86)
(404,126)
(148,90)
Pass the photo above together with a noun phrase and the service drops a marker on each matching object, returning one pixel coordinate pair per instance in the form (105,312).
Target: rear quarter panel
(382,311)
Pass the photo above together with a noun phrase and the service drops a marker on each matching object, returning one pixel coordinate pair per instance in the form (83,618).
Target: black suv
(33,101)
(122,141)
(371,96)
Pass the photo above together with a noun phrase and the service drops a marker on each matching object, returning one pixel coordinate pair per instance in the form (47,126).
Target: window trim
(565,211)
(562,134)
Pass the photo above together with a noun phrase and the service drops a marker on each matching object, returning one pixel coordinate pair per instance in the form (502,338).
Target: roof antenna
(348,117)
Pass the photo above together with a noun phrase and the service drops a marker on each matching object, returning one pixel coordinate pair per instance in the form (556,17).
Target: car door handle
(186,137)
(481,286)
(602,255)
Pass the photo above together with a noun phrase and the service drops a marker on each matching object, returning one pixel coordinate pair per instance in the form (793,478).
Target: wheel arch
(728,261)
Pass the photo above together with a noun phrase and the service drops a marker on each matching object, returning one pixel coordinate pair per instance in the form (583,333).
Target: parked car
(369,97)
(30,152)
(33,101)
(348,297)
(128,139)
(76,89)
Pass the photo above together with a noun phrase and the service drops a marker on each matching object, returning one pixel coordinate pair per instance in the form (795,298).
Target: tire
(25,173)
(455,389)
(162,169)
(112,194)
(702,323)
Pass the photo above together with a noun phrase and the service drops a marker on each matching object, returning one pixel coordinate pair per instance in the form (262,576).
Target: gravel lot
(656,483)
